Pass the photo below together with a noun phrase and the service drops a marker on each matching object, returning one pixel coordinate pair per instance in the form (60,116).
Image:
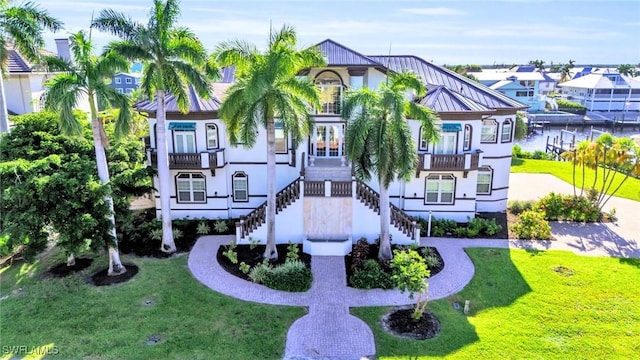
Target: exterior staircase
(327,182)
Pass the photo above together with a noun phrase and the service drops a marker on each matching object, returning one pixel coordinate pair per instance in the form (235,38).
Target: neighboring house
(608,91)
(522,86)
(125,83)
(24,84)
(466,172)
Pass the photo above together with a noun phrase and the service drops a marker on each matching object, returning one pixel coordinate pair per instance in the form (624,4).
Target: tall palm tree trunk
(115,266)
(385,220)
(271,252)
(4,113)
(164,176)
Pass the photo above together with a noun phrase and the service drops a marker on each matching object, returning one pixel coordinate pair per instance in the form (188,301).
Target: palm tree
(21,25)
(268,88)
(565,71)
(626,69)
(173,59)
(86,77)
(379,139)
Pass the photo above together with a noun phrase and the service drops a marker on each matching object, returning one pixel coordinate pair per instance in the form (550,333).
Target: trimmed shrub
(532,225)
(440,227)
(291,276)
(371,276)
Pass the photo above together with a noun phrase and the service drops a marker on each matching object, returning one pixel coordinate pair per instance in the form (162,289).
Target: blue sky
(451,32)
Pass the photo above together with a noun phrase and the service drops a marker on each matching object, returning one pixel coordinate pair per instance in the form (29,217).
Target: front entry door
(328,141)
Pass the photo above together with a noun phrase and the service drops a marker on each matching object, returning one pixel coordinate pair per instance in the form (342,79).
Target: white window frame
(137,81)
(193,185)
(485,135)
(281,140)
(120,90)
(118,80)
(181,145)
(468,133)
(443,182)
(129,90)
(240,184)
(212,136)
(128,81)
(508,124)
(327,81)
(446,144)
(423,144)
(482,181)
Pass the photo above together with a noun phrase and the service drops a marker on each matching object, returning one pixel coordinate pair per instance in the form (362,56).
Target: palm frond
(62,96)
(195,78)
(183,44)
(174,85)
(116,23)
(109,64)
(121,102)
(128,49)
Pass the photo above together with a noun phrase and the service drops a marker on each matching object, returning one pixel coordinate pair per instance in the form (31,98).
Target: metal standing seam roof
(196,104)
(338,54)
(441,99)
(437,75)
(17,64)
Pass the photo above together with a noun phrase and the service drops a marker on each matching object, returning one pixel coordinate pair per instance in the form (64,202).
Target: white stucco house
(604,91)
(466,172)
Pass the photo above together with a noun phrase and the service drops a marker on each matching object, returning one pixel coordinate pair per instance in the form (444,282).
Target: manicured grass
(82,321)
(564,171)
(522,309)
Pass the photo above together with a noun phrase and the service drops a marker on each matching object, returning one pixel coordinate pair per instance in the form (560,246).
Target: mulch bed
(400,323)
(62,270)
(373,254)
(253,257)
(100,278)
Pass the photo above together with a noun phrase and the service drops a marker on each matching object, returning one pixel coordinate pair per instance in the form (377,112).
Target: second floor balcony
(448,162)
(192,161)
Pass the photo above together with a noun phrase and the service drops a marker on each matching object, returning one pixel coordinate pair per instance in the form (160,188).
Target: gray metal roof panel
(15,63)
(441,99)
(436,75)
(196,103)
(338,54)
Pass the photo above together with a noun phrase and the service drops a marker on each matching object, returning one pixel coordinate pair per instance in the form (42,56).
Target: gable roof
(441,99)
(433,74)
(196,103)
(340,55)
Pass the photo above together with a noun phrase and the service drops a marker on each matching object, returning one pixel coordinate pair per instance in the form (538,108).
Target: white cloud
(440,11)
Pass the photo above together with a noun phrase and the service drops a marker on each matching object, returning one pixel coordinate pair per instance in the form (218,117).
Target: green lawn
(522,309)
(564,170)
(82,321)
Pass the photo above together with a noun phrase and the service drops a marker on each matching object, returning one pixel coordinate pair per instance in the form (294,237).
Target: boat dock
(559,144)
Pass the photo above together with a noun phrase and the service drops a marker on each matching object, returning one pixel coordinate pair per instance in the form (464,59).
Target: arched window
(191,188)
(507,129)
(212,136)
(240,186)
(330,85)
(467,137)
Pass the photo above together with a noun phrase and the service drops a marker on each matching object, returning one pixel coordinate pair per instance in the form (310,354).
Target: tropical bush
(410,274)
(532,225)
(519,206)
(568,207)
(371,276)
